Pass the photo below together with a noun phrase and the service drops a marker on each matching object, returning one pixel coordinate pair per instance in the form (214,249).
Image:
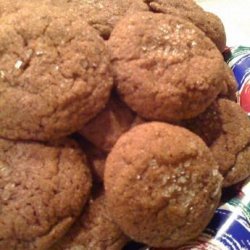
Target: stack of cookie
(118,122)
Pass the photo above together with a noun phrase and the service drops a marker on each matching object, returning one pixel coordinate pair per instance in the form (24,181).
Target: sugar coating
(55,74)
(162,184)
(164,67)
(43,188)
(208,22)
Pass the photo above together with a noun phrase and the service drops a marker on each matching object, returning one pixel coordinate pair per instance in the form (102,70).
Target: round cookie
(230,85)
(162,184)
(95,230)
(54,77)
(209,23)
(104,130)
(226,130)
(164,66)
(43,188)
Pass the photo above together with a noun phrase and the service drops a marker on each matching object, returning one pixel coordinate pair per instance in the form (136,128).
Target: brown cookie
(42,191)
(54,77)
(230,85)
(226,130)
(162,184)
(104,130)
(95,230)
(209,23)
(165,68)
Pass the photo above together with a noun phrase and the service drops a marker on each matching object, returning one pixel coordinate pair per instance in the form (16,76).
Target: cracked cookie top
(165,68)
(54,74)
(226,130)
(162,184)
(43,188)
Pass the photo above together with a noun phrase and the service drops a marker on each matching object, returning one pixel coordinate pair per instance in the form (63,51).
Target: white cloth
(235,15)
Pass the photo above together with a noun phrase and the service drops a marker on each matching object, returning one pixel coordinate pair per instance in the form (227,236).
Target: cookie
(95,230)
(54,77)
(208,22)
(226,130)
(162,184)
(104,130)
(230,85)
(165,68)
(43,188)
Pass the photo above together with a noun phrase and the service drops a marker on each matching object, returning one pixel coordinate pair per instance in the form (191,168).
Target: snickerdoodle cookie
(226,130)
(54,74)
(162,184)
(165,68)
(43,188)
